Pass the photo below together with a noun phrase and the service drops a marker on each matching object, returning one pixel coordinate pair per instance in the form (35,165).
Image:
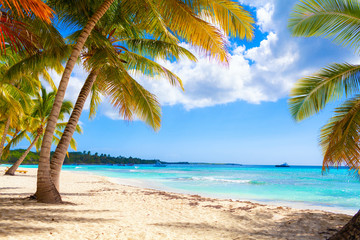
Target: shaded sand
(96,208)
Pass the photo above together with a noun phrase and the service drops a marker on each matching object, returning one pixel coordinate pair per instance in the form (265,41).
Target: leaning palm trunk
(14,167)
(57,159)
(351,231)
(46,191)
(3,139)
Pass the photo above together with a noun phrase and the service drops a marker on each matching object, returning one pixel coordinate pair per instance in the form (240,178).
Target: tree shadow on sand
(295,226)
(19,216)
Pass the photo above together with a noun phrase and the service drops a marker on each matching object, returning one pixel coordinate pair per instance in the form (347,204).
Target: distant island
(85,157)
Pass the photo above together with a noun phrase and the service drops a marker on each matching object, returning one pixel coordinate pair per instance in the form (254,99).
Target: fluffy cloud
(264,16)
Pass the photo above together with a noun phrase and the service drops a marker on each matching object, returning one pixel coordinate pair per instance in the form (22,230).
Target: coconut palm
(40,111)
(165,20)
(109,67)
(338,20)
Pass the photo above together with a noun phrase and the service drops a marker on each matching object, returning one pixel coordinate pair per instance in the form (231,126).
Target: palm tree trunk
(351,231)
(57,159)
(46,191)
(3,139)
(14,167)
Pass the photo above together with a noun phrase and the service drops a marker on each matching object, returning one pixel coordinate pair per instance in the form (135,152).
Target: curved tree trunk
(46,191)
(14,167)
(57,159)
(3,138)
(351,231)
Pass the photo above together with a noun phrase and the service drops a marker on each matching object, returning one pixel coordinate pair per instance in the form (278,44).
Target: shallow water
(303,185)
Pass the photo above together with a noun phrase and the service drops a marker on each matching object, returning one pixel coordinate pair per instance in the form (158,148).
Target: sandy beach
(96,208)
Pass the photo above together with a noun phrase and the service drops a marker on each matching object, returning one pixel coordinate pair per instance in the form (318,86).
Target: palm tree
(171,19)
(46,191)
(40,111)
(338,20)
(109,66)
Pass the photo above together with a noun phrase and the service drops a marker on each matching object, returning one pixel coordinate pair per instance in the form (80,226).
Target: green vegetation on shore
(77,158)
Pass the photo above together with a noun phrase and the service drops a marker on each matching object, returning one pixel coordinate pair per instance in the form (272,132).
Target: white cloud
(264,16)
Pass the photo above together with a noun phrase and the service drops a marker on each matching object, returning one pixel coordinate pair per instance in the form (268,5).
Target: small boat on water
(159,164)
(282,165)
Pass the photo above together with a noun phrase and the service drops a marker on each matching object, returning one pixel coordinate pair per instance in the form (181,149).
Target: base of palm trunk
(50,196)
(351,231)
(9,173)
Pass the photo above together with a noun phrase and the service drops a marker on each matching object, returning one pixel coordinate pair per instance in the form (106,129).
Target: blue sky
(237,114)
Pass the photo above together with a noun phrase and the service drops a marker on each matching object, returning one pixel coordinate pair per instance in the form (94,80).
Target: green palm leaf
(335,19)
(129,97)
(138,64)
(312,93)
(95,100)
(158,49)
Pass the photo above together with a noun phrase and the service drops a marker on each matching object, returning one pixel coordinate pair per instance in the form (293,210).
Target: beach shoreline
(297,205)
(98,207)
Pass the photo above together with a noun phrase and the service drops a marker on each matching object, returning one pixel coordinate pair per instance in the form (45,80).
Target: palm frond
(158,49)
(46,76)
(129,97)
(338,20)
(340,137)
(73,144)
(229,15)
(66,108)
(60,126)
(15,34)
(36,63)
(29,7)
(312,93)
(95,100)
(138,64)
(152,20)
(189,26)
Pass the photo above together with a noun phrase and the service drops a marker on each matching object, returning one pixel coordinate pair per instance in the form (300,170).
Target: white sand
(97,208)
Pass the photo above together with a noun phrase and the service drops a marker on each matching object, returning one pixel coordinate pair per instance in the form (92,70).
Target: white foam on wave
(212,179)
(156,171)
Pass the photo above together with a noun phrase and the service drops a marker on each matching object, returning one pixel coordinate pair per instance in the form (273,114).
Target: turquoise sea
(303,186)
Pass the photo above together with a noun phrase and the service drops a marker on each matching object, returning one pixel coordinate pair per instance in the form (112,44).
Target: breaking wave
(225,180)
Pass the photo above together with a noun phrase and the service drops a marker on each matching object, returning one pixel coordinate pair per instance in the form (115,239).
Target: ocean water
(303,186)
